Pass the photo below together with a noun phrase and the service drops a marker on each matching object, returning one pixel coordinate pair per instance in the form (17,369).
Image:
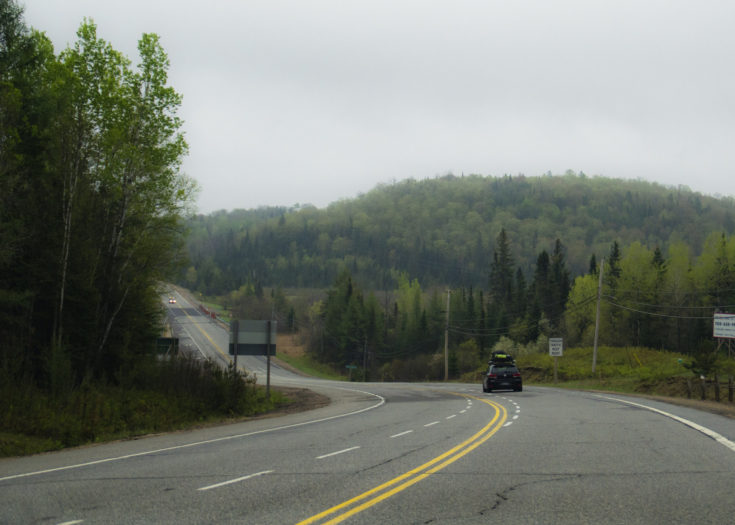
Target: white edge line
(431,424)
(401,434)
(453,415)
(197,443)
(722,440)
(338,452)
(230,482)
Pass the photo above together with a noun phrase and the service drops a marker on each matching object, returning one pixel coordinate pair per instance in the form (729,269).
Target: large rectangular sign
(167,346)
(252,337)
(724,326)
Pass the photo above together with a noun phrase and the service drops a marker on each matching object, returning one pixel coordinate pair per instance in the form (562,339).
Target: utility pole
(234,329)
(446,340)
(268,363)
(597,319)
(268,354)
(364,361)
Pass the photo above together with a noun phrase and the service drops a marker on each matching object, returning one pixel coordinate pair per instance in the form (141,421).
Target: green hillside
(442,231)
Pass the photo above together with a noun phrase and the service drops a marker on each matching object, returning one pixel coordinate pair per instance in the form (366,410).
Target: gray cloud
(290,101)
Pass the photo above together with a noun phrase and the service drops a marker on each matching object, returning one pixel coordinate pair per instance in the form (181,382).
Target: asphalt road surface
(396,453)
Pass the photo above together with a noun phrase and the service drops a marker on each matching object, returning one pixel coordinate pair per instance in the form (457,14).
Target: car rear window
(504,369)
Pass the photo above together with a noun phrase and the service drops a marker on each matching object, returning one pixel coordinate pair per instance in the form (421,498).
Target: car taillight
(492,375)
(517,374)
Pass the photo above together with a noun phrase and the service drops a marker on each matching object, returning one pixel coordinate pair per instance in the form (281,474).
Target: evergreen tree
(500,294)
(654,335)
(559,285)
(542,281)
(612,268)
(592,267)
(501,271)
(611,275)
(340,315)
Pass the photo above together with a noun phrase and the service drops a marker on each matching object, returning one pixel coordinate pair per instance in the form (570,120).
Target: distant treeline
(442,231)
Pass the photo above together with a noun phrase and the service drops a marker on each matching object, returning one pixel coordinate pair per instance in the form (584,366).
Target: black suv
(502,374)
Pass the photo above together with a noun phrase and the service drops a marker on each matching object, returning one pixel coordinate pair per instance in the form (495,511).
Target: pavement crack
(390,460)
(503,496)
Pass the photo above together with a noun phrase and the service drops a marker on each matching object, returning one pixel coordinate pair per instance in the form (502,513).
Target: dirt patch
(290,345)
(302,399)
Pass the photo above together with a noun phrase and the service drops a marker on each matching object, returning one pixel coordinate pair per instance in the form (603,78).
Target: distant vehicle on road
(171,300)
(502,374)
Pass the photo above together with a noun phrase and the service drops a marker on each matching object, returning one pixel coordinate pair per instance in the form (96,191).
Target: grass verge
(308,366)
(159,397)
(639,371)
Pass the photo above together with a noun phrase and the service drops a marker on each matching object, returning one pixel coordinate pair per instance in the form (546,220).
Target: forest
(442,231)
(93,208)
(95,215)
(92,205)
(520,256)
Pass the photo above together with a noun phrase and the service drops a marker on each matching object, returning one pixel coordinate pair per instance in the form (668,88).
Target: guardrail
(207,312)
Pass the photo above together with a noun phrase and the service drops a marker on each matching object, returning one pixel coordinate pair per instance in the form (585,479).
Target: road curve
(400,453)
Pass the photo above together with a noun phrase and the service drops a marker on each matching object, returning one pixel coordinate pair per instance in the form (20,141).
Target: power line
(654,313)
(682,307)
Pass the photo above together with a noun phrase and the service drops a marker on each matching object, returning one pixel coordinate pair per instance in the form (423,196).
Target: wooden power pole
(597,317)
(446,341)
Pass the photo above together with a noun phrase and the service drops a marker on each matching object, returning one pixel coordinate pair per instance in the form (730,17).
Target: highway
(395,453)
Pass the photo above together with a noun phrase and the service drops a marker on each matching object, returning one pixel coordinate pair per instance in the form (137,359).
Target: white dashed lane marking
(236,480)
(338,452)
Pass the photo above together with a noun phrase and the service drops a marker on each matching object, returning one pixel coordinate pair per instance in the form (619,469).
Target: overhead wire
(655,314)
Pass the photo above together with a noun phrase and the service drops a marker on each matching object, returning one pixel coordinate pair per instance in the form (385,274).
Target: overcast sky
(305,101)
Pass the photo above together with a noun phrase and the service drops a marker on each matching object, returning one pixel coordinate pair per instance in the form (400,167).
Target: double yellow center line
(402,482)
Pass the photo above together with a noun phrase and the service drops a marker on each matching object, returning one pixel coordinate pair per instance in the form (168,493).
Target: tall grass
(157,396)
(309,366)
(643,364)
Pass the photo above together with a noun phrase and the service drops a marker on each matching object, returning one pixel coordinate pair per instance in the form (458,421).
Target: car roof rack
(501,358)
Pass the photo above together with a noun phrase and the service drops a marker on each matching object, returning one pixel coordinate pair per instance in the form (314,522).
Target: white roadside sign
(724,326)
(556,346)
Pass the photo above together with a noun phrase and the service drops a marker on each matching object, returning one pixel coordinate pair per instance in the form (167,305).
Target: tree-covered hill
(442,231)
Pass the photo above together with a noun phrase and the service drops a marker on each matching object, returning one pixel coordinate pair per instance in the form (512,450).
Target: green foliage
(648,298)
(655,299)
(704,361)
(468,357)
(443,231)
(520,254)
(416,368)
(641,364)
(309,366)
(157,396)
(91,203)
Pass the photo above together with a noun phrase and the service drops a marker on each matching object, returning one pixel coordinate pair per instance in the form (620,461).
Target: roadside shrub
(418,368)
(156,396)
